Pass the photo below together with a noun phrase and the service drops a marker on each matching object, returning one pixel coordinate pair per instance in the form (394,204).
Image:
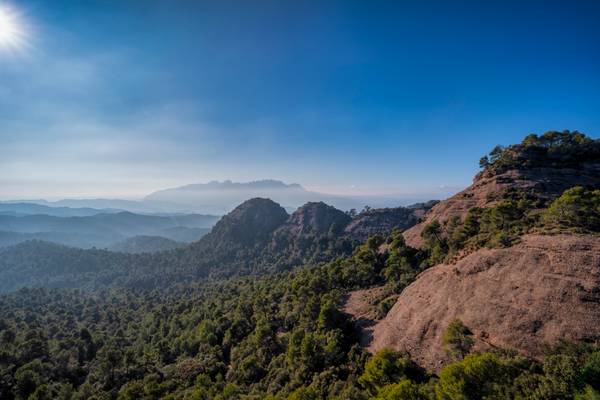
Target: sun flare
(12,32)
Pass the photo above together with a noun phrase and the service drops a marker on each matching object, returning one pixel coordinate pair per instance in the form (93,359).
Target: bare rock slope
(544,289)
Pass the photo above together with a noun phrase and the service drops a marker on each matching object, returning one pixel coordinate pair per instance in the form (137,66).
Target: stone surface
(544,289)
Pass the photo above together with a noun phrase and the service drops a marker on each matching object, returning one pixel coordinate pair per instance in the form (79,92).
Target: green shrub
(588,393)
(591,370)
(387,367)
(457,339)
(478,376)
(576,209)
(403,390)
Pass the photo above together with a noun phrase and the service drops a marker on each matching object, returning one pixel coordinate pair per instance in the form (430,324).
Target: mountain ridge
(242,242)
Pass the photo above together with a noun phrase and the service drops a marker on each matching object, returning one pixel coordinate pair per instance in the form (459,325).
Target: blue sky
(120,98)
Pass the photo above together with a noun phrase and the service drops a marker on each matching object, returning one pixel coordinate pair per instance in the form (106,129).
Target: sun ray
(13,32)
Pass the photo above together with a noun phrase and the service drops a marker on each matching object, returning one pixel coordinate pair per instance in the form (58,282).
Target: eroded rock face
(542,290)
(546,183)
(315,218)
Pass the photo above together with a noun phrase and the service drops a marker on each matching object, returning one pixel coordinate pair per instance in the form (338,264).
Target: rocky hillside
(260,234)
(315,218)
(543,167)
(542,290)
(249,224)
(518,294)
(314,233)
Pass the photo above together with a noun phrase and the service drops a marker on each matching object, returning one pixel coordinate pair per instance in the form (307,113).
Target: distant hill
(145,244)
(73,239)
(184,233)
(259,235)
(221,197)
(21,209)
(134,206)
(101,230)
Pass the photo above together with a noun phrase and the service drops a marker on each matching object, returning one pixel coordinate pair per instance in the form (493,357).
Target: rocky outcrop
(261,235)
(319,218)
(315,218)
(542,290)
(545,183)
(264,221)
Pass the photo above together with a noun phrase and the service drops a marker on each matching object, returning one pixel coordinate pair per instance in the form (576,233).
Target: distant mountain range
(93,206)
(215,198)
(166,218)
(221,197)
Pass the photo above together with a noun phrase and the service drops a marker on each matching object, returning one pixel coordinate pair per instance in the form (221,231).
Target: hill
(273,336)
(515,257)
(145,244)
(21,208)
(134,206)
(258,236)
(72,239)
(101,230)
(43,264)
(541,168)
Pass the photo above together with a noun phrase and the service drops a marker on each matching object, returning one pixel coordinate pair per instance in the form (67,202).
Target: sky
(122,98)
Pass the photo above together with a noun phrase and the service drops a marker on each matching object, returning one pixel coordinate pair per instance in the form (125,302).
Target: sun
(12,32)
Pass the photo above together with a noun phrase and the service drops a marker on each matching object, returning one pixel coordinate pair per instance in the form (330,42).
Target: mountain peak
(317,217)
(250,222)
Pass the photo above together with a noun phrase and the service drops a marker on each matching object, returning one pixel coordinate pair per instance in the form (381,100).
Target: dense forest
(278,333)
(281,335)
(278,336)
